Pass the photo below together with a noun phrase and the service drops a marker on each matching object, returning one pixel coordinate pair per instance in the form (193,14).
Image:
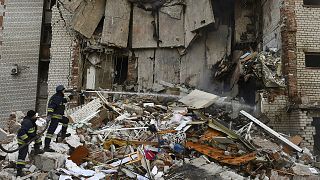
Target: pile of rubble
(264,66)
(167,137)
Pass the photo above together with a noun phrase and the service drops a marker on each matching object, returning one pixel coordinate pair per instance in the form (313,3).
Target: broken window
(312,60)
(311,2)
(120,69)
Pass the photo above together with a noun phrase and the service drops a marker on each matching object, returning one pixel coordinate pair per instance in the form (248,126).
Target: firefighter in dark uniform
(56,109)
(27,131)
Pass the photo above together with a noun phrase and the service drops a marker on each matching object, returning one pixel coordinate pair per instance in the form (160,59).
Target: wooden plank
(88,16)
(142,29)
(167,66)
(171,26)
(116,23)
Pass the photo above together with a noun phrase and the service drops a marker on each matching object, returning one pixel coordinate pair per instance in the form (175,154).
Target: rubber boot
(62,135)
(20,172)
(48,149)
(37,150)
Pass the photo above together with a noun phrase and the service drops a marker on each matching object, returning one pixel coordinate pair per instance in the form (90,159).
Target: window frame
(305,60)
(311,5)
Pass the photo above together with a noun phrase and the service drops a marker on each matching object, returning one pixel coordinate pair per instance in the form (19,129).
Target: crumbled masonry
(146,137)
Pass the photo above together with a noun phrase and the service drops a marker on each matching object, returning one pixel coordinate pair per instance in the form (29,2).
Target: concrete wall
(2,14)
(271,24)
(193,68)
(295,122)
(275,110)
(20,45)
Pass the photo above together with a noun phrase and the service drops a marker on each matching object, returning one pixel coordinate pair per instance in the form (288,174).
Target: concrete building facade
(21,22)
(135,49)
(295,110)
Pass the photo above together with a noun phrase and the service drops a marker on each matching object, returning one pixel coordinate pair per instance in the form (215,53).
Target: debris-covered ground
(165,137)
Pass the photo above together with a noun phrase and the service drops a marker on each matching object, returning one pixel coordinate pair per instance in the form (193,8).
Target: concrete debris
(304,170)
(143,137)
(264,66)
(143,115)
(49,161)
(265,144)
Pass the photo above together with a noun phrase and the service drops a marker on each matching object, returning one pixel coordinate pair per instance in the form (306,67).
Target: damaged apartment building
(263,53)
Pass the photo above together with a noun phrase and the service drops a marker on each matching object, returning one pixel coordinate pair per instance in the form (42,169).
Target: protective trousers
(52,128)
(24,151)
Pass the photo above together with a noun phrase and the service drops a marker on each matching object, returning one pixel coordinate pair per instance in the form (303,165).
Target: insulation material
(219,155)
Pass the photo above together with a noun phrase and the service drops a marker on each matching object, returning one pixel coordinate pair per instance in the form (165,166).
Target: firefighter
(56,109)
(27,131)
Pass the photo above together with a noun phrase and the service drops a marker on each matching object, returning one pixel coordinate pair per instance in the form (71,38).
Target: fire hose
(26,144)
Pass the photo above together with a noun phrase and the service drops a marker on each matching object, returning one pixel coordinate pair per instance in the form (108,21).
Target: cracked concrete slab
(116,23)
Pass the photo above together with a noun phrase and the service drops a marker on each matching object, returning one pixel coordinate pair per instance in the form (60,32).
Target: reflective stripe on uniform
(20,141)
(38,141)
(49,135)
(32,130)
(50,109)
(56,116)
(23,137)
(21,162)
